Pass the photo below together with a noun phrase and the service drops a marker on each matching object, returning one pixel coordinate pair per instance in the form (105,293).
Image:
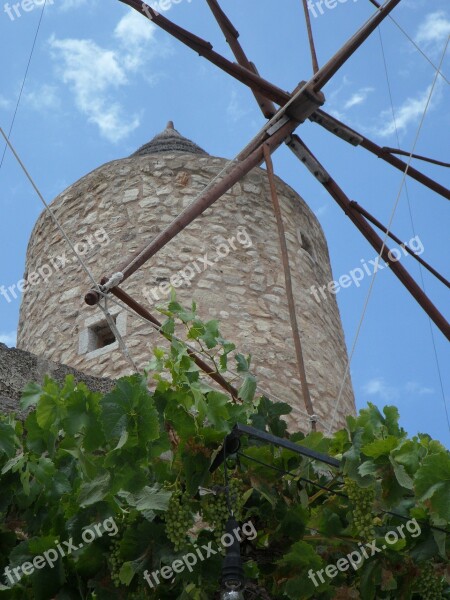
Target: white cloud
(136,34)
(43,98)
(8,338)
(378,387)
(94,73)
(415,388)
(358,97)
(4,102)
(69,4)
(434,31)
(235,111)
(409,113)
(134,29)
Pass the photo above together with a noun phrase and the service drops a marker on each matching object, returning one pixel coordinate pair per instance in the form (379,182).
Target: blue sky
(103,81)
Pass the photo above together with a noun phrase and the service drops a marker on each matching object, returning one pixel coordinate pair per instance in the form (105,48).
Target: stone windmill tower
(228,260)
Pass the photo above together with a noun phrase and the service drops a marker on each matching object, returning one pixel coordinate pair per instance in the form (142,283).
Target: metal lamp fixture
(232,570)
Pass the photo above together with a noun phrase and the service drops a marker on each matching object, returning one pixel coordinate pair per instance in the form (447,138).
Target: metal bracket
(345,133)
(308,159)
(278,124)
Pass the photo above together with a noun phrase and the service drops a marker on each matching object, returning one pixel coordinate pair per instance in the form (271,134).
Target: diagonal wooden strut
(289,289)
(298,108)
(432,161)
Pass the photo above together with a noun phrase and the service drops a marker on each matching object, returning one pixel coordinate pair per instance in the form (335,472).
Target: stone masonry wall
(134,199)
(18,368)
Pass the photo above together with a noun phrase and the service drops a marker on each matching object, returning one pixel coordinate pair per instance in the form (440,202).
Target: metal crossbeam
(232,445)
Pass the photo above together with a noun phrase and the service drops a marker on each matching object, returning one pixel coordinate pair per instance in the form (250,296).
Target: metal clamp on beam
(306,104)
(345,133)
(307,159)
(232,443)
(278,124)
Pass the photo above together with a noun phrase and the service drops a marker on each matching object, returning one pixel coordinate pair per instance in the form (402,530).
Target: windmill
(285,114)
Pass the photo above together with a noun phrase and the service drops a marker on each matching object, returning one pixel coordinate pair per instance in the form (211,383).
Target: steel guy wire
(66,238)
(388,227)
(24,80)
(433,340)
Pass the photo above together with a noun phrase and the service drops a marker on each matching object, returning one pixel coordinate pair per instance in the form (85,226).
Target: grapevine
(429,585)
(362,500)
(179,519)
(287,553)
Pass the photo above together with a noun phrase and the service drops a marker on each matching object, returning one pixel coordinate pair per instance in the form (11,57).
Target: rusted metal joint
(92,298)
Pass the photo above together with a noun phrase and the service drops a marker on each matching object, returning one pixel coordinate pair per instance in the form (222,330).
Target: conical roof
(169,140)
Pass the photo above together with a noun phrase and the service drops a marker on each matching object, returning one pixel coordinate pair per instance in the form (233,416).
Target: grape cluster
(237,498)
(179,519)
(215,507)
(362,500)
(429,585)
(115,562)
(123,522)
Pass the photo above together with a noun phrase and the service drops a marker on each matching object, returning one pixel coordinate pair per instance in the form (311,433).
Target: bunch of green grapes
(237,498)
(429,585)
(215,507)
(215,512)
(179,519)
(362,500)
(123,522)
(115,561)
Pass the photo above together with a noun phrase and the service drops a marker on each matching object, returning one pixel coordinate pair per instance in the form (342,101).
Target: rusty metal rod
(231,35)
(141,310)
(383,250)
(205,49)
(246,76)
(433,161)
(227,27)
(389,158)
(378,224)
(289,289)
(312,47)
(330,69)
(281,97)
(205,200)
